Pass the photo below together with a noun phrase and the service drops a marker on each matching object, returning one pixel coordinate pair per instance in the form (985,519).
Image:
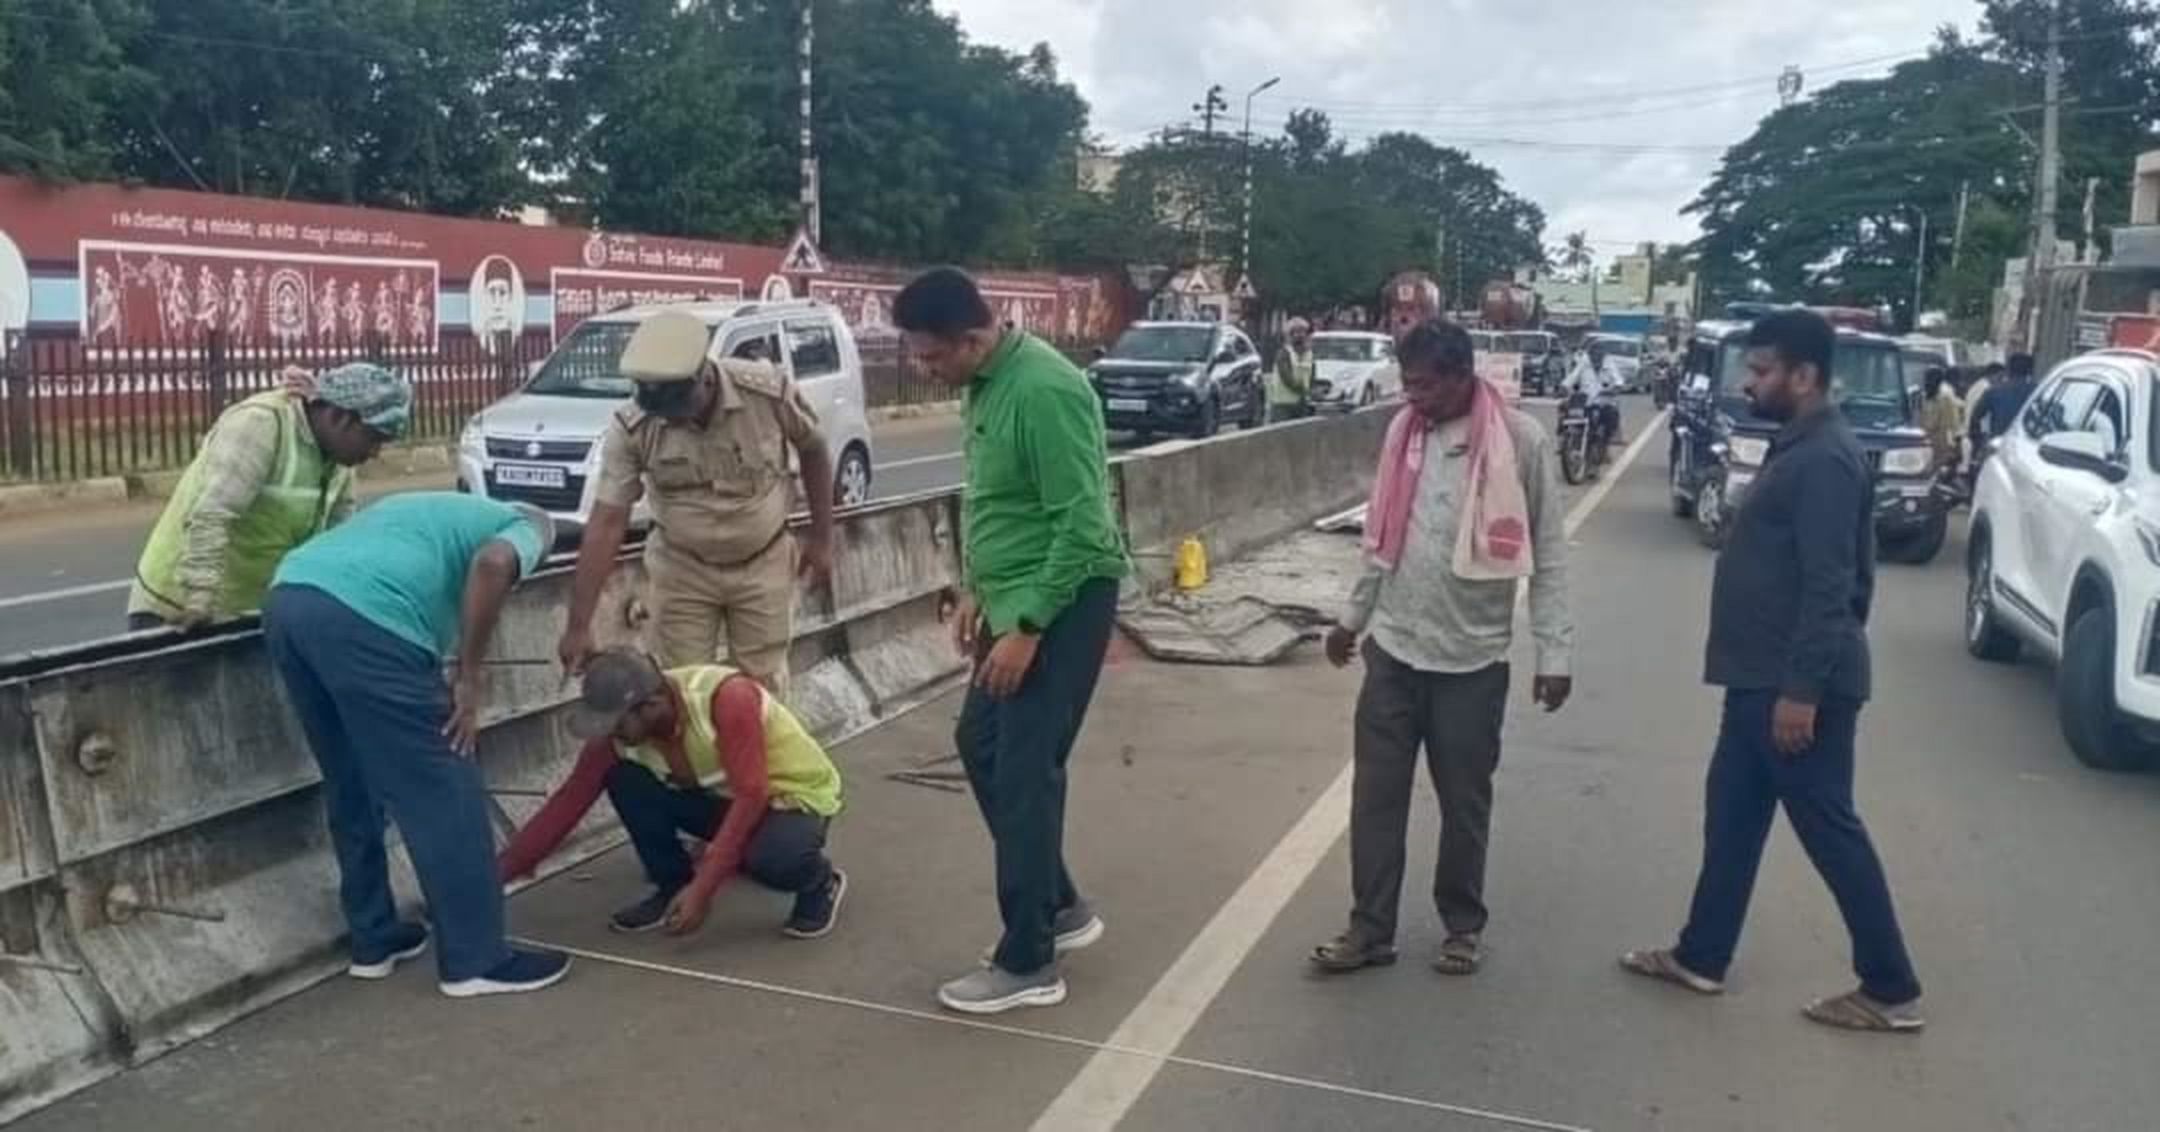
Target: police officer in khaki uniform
(709,440)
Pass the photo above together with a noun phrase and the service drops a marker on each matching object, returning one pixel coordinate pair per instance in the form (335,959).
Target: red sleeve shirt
(738,716)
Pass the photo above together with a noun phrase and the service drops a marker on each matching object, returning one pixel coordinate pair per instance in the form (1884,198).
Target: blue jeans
(373,706)
(1748,781)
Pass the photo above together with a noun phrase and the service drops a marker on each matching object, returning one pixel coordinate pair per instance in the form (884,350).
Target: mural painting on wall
(620,271)
(867,307)
(165,294)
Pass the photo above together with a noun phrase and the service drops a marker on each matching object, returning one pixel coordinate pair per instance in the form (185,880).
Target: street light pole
(1245,228)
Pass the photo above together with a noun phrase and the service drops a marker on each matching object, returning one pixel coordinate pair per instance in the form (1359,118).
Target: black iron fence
(73,411)
(70,410)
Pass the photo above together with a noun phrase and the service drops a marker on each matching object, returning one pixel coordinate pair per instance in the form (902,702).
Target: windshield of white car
(1867,382)
(1618,347)
(1346,349)
(587,364)
(1163,344)
(1532,344)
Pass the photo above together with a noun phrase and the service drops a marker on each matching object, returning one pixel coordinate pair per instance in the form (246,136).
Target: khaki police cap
(669,346)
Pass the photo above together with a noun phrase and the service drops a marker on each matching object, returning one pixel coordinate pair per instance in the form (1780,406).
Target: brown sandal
(1346,953)
(1660,964)
(1459,955)
(1854,1010)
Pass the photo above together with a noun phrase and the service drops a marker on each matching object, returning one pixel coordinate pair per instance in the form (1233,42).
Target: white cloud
(1540,71)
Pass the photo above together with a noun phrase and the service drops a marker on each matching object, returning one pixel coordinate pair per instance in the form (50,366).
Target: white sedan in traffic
(1353,369)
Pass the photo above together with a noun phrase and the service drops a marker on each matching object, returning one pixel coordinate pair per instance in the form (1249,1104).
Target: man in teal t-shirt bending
(359,622)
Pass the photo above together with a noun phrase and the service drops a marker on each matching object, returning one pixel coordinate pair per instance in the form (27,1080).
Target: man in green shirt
(1043,563)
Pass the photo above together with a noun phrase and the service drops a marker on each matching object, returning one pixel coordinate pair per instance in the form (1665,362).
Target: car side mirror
(1098,353)
(2084,452)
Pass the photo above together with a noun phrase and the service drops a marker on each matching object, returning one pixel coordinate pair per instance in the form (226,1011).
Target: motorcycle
(1583,439)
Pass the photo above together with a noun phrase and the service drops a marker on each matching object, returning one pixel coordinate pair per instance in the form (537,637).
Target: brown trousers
(1455,718)
(742,615)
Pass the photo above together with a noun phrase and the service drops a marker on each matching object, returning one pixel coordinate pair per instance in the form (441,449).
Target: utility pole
(1245,227)
(1957,237)
(1207,108)
(1919,272)
(2044,202)
(2090,250)
(812,222)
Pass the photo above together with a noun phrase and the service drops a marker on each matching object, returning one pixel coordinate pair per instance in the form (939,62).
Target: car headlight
(1194,377)
(1748,451)
(2148,537)
(1907,461)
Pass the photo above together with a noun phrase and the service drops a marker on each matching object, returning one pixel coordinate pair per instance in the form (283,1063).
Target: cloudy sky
(1624,107)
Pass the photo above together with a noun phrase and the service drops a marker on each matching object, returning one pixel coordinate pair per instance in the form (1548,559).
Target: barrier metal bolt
(123,903)
(37,963)
(96,753)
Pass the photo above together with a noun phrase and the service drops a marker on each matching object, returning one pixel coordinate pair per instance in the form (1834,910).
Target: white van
(541,445)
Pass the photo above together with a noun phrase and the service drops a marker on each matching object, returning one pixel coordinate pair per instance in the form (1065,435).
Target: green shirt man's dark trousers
(1015,752)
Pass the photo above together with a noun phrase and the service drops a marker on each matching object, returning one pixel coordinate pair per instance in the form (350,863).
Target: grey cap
(615,681)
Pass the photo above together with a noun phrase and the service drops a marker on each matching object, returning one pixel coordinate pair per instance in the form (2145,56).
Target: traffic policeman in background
(708,440)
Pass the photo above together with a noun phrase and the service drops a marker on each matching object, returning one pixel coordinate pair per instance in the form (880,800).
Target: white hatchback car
(1352,369)
(2064,553)
(541,445)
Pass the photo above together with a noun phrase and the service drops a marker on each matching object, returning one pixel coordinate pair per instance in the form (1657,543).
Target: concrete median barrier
(163,863)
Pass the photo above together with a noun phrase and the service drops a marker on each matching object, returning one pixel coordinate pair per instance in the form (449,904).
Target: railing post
(216,377)
(15,385)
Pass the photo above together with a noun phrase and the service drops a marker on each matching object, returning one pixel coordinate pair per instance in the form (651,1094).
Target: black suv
(1180,377)
(1718,444)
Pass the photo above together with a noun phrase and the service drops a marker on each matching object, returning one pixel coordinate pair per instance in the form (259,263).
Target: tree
(1575,255)
(62,66)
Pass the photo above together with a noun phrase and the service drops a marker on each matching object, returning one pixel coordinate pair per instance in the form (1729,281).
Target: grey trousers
(1455,718)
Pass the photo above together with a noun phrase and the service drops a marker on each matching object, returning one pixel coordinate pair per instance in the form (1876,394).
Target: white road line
(63,595)
(1100,1048)
(918,461)
(1109,1085)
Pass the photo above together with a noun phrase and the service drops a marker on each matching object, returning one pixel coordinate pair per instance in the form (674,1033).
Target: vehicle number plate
(1126,405)
(530,475)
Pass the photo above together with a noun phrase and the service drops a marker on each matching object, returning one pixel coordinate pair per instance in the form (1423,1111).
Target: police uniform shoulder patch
(630,417)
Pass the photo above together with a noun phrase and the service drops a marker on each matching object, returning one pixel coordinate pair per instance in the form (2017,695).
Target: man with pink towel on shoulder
(1465,504)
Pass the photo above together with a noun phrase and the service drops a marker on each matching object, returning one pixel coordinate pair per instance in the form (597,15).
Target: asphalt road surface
(1207,808)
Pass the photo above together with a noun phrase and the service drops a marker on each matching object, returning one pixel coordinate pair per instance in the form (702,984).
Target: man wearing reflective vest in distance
(705,751)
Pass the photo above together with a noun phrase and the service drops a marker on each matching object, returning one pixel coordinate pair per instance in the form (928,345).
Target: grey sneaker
(1074,929)
(994,990)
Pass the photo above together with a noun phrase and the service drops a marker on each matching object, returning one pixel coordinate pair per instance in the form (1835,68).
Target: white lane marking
(1099,1048)
(63,595)
(1108,1086)
(918,461)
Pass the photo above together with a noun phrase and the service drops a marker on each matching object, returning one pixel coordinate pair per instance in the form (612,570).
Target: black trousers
(786,853)
(1455,718)
(1015,751)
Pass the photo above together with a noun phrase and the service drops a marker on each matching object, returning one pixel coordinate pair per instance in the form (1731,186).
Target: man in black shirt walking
(1788,643)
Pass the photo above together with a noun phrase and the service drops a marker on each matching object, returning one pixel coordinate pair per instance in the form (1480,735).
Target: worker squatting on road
(359,624)
(707,440)
(274,470)
(708,752)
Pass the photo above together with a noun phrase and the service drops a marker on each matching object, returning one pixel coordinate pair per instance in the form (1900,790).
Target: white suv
(2064,554)
(541,444)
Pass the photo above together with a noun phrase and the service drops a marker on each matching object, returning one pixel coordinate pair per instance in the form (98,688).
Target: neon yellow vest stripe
(798,773)
(293,506)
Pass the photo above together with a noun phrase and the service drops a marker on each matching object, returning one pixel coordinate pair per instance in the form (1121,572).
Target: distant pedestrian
(1999,406)
(359,624)
(1043,560)
(1788,643)
(1289,387)
(275,470)
(1465,505)
(1942,417)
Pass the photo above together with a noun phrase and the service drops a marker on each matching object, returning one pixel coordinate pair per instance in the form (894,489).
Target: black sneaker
(523,971)
(405,941)
(645,915)
(817,912)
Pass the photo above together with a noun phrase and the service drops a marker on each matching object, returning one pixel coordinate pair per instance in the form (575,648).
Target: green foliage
(1824,202)
(61,65)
